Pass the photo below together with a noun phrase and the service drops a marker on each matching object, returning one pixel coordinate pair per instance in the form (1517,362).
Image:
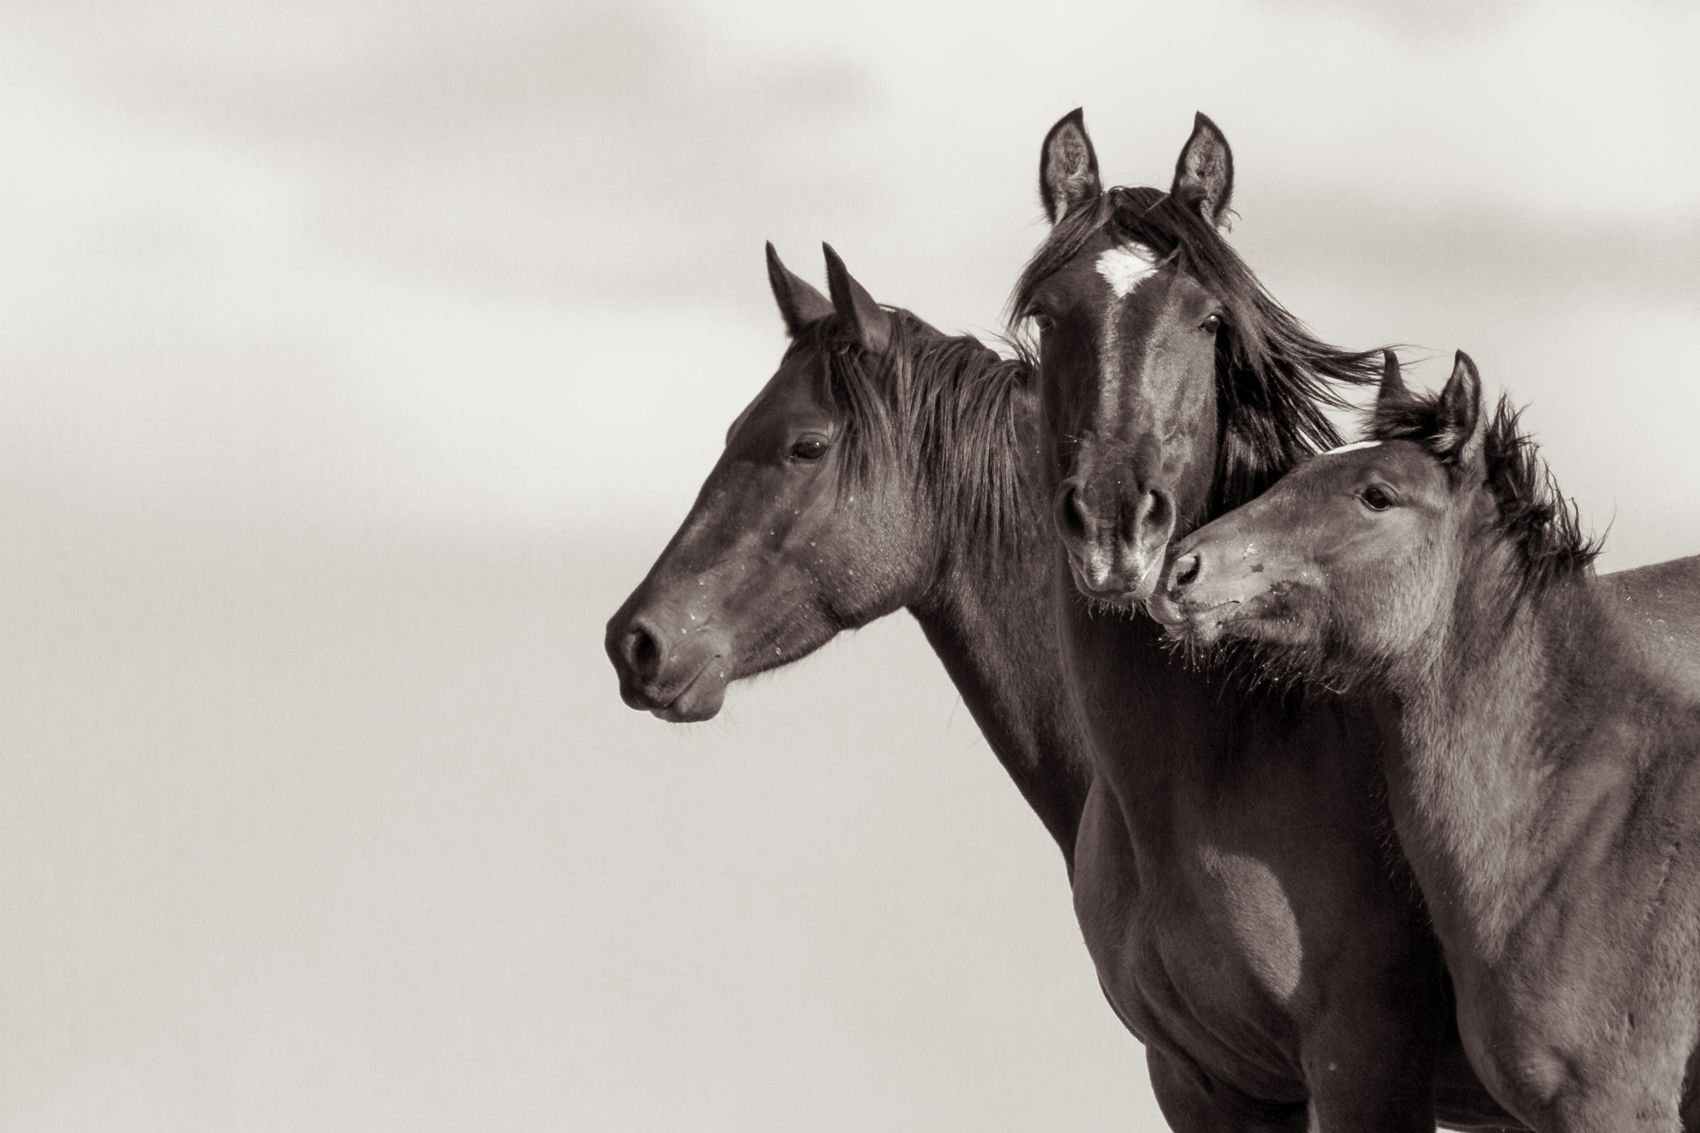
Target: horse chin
(1112,593)
(700,699)
(1202,627)
(1266,616)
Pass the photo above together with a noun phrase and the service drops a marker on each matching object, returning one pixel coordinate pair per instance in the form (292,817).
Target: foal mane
(1539,522)
(1274,379)
(950,405)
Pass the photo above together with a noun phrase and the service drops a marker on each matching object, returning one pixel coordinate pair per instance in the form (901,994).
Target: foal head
(854,473)
(1173,386)
(1358,559)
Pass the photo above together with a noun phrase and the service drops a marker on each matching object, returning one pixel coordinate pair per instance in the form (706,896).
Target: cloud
(517,147)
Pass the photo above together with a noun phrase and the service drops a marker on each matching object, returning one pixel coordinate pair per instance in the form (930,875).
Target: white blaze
(1123,268)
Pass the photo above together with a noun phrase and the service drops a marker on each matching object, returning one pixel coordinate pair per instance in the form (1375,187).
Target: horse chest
(1208,966)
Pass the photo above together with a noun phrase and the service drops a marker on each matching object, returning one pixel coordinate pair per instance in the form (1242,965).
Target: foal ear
(855,306)
(1204,173)
(1068,167)
(799,303)
(1392,381)
(1459,417)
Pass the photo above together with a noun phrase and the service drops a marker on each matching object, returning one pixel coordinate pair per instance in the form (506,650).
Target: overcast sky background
(357,358)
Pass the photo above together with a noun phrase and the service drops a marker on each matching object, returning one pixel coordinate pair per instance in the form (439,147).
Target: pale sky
(358,358)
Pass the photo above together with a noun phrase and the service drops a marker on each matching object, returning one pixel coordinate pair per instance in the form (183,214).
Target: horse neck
(1493,721)
(999,649)
(985,615)
(1169,736)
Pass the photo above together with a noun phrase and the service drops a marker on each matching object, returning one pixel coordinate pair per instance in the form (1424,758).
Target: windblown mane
(1531,514)
(950,405)
(1274,378)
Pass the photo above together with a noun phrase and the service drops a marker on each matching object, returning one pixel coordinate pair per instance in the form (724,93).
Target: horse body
(1562,856)
(1546,780)
(1223,960)
(1260,931)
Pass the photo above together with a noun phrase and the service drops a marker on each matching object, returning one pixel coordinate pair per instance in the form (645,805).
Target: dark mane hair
(949,404)
(1273,377)
(1532,515)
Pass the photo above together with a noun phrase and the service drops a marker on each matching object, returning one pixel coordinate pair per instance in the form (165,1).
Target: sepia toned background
(356,359)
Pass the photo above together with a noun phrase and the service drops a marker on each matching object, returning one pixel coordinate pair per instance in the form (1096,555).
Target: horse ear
(1204,173)
(1068,167)
(1461,422)
(1392,381)
(855,306)
(799,303)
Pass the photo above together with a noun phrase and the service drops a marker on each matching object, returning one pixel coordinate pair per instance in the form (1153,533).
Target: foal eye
(810,446)
(1043,321)
(1376,498)
(1211,324)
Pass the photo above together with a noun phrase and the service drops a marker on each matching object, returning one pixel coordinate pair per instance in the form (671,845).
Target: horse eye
(1376,498)
(1043,321)
(1211,324)
(810,446)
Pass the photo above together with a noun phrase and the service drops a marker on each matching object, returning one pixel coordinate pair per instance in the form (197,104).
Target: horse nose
(640,648)
(1074,521)
(1153,512)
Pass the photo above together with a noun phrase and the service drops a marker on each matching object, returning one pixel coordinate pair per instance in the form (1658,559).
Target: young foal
(1546,782)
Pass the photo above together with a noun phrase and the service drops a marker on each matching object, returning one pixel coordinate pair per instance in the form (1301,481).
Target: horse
(1546,780)
(1273,950)
(884,466)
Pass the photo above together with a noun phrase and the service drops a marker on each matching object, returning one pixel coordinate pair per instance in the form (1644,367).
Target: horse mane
(1274,377)
(1540,523)
(950,405)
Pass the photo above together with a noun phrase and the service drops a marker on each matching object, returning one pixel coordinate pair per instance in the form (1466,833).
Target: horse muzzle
(1115,552)
(680,677)
(1198,596)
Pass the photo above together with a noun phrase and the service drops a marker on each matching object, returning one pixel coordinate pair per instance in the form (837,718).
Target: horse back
(1660,603)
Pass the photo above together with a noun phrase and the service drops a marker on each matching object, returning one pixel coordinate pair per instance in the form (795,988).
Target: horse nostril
(1151,513)
(1187,569)
(1160,511)
(642,653)
(1071,514)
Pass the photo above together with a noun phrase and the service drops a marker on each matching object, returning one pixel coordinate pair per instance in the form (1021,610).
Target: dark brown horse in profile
(884,466)
(1546,778)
